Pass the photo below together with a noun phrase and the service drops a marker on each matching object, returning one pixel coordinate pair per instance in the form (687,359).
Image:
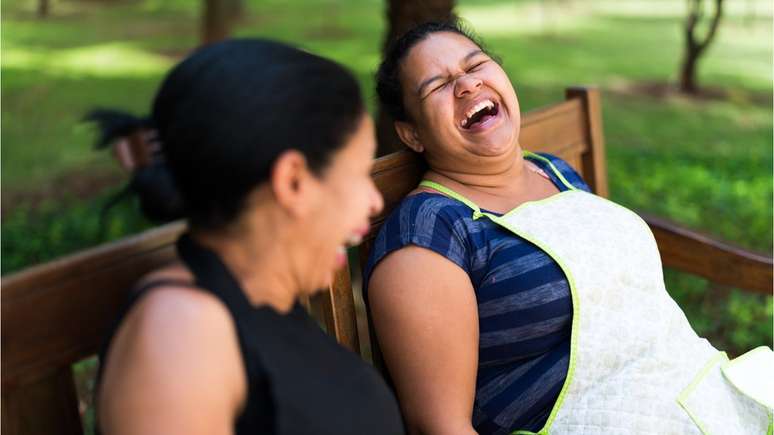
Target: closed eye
(439,87)
(477,66)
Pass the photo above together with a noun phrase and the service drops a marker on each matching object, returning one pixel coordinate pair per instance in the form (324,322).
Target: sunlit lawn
(705,163)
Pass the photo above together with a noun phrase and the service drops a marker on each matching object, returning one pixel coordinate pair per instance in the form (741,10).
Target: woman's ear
(408,134)
(291,182)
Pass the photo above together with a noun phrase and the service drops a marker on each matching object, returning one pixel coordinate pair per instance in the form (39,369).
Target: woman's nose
(466,84)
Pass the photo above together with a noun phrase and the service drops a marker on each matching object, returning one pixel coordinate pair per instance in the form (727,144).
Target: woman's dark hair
(225,114)
(388,85)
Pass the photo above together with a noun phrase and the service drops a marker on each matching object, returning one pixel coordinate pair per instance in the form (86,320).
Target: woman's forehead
(438,50)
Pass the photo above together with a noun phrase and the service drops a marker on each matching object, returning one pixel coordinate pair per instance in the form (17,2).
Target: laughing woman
(266,150)
(505,296)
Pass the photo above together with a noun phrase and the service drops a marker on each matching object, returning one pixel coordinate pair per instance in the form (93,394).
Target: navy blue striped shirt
(524,302)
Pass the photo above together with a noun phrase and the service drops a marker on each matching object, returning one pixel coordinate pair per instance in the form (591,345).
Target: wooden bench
(56,314)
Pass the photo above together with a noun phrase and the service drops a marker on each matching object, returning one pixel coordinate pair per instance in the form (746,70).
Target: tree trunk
(402,15)
(218,17)
(694,47)
(688,71)
(44,6)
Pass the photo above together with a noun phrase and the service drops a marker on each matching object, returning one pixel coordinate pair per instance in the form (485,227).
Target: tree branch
(694,13)
(714,25)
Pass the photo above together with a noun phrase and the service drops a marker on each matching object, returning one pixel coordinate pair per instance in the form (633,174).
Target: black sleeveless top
(300,381)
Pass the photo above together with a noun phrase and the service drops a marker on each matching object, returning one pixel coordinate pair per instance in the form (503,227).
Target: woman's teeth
(486,104)
(341,256)
(354,240)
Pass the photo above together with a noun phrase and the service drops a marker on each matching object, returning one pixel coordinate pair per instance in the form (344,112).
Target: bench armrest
(717,261)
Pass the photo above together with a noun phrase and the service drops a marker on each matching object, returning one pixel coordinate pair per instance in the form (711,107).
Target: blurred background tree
(402,15)
(695,45)
(43,7)
(218,18)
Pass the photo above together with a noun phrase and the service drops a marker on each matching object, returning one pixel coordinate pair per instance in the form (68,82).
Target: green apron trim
(448,192)
(683,396)
(477,213)
(553,168)
(573,327)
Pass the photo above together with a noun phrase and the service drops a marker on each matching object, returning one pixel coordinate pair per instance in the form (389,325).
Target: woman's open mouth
(480,116)
(353,240)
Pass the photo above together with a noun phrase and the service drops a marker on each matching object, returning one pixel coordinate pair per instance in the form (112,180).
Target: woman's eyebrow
(427,82)
(473,54)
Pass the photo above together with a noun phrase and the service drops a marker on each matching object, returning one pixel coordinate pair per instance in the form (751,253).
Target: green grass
(704,163)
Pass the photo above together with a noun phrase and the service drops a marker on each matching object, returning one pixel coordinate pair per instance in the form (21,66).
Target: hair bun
(160,199)
(151,180)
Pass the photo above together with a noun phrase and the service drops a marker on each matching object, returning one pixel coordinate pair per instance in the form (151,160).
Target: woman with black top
(266,150)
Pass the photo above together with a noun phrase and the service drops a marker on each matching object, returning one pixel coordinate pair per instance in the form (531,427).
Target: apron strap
(553,168)
(476,210)
(448,192)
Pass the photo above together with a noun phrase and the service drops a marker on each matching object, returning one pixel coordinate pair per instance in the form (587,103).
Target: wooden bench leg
(46,406)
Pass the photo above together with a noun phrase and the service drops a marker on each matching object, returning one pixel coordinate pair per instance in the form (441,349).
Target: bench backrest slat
(57,313)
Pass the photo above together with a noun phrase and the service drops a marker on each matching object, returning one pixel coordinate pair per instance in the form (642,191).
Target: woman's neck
(259,264)
(500,180)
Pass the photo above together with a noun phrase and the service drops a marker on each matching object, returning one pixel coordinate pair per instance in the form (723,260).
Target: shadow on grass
(664,91)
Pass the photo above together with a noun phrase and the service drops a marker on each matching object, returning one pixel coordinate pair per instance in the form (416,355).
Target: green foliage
(731,319)
(696,165)
(85,374)
(56,228)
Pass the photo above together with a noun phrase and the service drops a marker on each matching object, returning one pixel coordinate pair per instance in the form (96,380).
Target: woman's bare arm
(174,368)
(425,314)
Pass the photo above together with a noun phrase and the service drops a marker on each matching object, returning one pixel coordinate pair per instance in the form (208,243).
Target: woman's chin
(495,149)
(325,273)
(497,144)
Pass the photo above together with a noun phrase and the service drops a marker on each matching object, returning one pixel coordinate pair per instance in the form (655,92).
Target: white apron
(636,365)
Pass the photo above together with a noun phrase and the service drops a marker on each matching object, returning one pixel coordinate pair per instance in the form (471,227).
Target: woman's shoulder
(173,341)
(565,169)
(172,315)
(427,220)
(424,213)
(170,295)
(167,307)
(171,275)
